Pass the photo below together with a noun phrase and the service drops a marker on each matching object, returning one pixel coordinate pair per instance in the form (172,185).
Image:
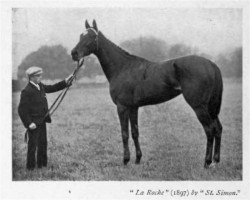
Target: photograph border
(110,189)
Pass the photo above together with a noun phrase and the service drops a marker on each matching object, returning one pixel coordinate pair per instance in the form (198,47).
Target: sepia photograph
(133,94)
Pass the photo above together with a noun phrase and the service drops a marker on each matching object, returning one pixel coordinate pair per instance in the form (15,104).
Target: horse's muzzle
(74,55)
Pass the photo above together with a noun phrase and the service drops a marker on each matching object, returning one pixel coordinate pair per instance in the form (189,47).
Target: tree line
(57,62)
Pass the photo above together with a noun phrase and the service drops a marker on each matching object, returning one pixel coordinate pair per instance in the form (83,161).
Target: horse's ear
(87,24)
(94,25)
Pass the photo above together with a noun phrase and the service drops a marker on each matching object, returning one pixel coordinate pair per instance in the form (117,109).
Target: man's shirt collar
(36,85)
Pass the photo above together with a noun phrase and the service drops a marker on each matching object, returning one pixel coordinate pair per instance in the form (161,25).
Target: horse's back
(195,65)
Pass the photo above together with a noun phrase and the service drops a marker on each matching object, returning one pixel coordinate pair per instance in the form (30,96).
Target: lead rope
(63,93)
(58,100)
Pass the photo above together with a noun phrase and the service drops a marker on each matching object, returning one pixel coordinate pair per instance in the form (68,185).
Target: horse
(135,82)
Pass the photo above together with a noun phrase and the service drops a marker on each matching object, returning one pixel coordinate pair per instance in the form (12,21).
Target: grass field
(84,140)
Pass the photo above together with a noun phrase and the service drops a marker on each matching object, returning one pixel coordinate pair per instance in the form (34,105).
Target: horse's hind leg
(123,113)
(217,136)
(133,116)
(208,125)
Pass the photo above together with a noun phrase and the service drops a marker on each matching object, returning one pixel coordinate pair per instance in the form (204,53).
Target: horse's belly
(149,96)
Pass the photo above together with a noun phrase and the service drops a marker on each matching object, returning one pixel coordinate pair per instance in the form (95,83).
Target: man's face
(36,79)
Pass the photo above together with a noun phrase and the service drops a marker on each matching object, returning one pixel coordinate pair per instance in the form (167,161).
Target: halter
(96,39)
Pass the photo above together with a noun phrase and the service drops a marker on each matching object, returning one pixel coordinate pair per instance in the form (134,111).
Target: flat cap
(34,70)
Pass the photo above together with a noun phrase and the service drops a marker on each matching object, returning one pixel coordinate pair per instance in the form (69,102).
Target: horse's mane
(122,51)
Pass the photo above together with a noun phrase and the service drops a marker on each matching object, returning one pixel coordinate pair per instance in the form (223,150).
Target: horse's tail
(214,105)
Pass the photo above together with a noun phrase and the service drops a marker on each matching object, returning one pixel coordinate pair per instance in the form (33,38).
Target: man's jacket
(33,104)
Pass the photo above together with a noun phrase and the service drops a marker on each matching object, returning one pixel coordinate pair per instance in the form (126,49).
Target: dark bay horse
(136,82)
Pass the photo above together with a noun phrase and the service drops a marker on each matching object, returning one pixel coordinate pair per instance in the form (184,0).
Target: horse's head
(88,42)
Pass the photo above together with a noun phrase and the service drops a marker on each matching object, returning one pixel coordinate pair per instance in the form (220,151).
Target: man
(32,108)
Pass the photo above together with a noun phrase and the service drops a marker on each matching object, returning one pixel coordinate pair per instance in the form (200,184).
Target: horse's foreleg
(208,126)
(123,113)
(133,116)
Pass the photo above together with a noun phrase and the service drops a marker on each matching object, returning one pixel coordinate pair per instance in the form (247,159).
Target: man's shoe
(30,168)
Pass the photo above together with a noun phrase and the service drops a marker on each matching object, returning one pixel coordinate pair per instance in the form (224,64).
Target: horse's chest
(122,93)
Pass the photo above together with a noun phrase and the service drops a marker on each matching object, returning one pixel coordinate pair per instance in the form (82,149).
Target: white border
(110,189)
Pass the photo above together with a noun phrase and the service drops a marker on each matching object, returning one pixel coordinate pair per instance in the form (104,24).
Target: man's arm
(23,109)
(54,88)
(58,86)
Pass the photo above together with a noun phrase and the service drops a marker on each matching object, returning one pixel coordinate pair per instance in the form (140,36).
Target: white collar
(37,86)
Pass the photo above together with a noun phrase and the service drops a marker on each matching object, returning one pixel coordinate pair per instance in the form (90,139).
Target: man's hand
(81,62)
(68,80)
(32,126)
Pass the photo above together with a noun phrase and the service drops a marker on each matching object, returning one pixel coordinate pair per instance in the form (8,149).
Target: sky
(211,30)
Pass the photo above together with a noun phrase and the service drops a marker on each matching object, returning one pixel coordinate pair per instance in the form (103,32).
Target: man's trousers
(37,145)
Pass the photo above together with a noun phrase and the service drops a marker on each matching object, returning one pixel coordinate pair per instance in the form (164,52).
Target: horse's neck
(111,57)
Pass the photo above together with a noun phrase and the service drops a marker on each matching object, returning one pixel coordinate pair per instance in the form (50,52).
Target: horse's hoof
(137,161)
(125,161)
(216,159)
(212,165)
(207,164)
